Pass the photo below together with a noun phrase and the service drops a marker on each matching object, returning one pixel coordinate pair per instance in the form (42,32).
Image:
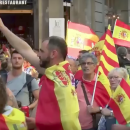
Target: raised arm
(21,46)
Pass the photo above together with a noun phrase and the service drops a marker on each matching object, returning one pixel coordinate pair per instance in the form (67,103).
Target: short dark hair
(121,51)
(15,52)
(3,95)
(84,51)
(4,64)
(60,44)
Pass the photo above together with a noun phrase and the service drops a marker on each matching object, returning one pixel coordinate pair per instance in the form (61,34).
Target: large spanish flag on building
(120,103)
(108,58)
(58,107)
(79,37)
(121,34)
(12,119)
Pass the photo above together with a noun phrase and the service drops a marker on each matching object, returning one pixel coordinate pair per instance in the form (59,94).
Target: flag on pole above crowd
(79,37)
(121,34)
(120,103)
(108,58)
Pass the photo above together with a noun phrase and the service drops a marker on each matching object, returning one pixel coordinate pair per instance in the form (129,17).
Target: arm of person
(22,47)
(35,91)
(11,99)
(107,112)
(92,109)
(120,127)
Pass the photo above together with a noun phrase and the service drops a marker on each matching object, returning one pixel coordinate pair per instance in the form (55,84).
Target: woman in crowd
(115,76)
(9,116)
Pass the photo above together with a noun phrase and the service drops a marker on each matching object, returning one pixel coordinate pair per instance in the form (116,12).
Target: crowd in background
(14,69)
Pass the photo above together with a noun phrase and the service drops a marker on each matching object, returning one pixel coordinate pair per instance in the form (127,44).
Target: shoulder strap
(4,77)
(85,94)
(88,103)
(29,78)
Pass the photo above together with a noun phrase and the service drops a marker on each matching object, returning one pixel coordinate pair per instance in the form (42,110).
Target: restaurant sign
(13,2)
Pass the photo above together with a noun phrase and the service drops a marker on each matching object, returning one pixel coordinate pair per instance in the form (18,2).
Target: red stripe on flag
(81,28)
(103,37)
(3,125)
(117,112)
(125,87)
(109,32)
(121,42)
(104,68)
(48,112)
(121,24)
(79,75)
(109,60)
(110,47)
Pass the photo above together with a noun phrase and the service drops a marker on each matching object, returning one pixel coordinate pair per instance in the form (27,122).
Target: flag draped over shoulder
(120,103)
(103,91)
(58,107)
(121,34)
(12,119)
(108,58)
(79,37)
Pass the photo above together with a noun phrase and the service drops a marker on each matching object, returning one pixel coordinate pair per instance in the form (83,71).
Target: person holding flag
(58,107)
(115,76)
(85,89)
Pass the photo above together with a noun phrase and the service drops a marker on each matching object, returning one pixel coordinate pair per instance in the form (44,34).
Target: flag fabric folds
(120,103)
(108,58)
(121,34)
(103,91)
(58,107)
(12,119)
(79,37)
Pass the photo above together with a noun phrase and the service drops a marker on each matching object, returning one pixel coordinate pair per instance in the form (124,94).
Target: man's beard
(45,63)
(16,67)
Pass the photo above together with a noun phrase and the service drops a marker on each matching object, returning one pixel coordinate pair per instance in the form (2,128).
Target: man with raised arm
(22,47)
(58,107)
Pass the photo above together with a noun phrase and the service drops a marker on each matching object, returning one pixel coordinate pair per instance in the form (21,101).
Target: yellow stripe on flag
(110,40)
(66,96)
(110,54)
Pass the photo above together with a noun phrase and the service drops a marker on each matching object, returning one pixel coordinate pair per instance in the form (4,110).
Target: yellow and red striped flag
(12,119)
(108,58)
(79,37)
(121,34)
(58,107)
(120,103)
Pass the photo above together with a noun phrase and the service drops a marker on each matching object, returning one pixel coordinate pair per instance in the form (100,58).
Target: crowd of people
(23,80)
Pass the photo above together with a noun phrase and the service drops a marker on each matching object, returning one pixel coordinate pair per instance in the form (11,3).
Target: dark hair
(4,65)
(3,96)
(15,52)
(84,51)
(121,51)
(60,44)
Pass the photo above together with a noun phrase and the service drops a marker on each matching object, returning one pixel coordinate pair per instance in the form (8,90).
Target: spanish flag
(121,34)
(12,119)
(120,103)
(58,107)
(108,58)
(79,37)
(103,91)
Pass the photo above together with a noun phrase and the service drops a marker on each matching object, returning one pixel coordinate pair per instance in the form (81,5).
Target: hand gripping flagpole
(94,88)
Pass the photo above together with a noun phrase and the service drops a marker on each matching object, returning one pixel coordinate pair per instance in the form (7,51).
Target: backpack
(29,78)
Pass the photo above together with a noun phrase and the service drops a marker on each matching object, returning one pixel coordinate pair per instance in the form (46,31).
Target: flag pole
(94,88)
